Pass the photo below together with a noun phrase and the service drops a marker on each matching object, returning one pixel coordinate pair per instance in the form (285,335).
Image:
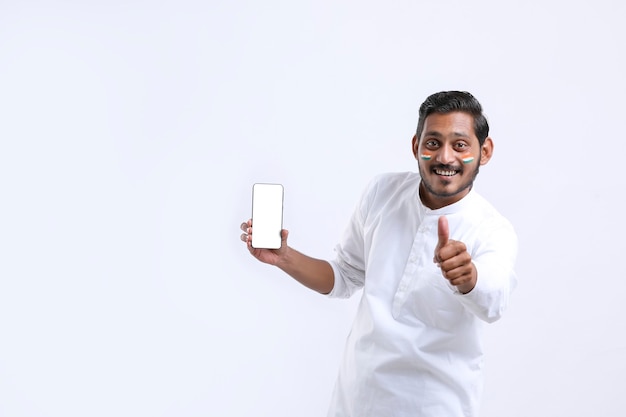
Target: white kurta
(415,346)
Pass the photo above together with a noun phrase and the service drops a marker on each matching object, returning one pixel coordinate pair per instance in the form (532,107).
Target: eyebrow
(439,135)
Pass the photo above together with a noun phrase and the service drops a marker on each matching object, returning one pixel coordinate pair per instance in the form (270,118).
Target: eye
(461,146)
(431,144)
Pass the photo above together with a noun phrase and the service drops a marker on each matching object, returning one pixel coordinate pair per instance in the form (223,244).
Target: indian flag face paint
(426,156)
(467,159)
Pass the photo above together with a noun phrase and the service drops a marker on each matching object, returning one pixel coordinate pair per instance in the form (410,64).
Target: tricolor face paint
(467,159)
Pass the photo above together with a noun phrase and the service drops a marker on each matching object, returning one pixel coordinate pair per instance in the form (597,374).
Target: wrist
(284,258)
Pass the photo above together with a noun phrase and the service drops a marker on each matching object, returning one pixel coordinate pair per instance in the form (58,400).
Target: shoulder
(487,218)
(385,187)
(394,181)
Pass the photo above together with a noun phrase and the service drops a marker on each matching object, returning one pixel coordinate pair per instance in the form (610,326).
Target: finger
(244,237)
(454,255)
(245,225)
(283,237)
(443,231)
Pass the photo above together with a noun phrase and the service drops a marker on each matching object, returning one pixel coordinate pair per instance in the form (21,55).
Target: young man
(435,262)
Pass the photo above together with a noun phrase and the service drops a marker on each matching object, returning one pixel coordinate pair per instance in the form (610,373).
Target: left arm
(485,281)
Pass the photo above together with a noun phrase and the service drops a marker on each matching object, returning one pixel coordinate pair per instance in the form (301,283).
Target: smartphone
(267,215)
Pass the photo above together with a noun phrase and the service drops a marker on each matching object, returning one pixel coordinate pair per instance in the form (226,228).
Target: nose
(446,155)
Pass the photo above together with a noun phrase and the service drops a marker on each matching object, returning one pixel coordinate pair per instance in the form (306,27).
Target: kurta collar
(450,209)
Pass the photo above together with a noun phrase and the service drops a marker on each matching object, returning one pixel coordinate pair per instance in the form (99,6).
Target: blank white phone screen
(267,215)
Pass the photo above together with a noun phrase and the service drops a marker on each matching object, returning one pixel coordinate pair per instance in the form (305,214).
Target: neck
(435,202)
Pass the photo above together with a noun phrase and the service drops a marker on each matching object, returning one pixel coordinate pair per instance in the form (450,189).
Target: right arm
(316,274)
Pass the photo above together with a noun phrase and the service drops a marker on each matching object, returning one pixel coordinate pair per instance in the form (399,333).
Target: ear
(486,151)
(414,145)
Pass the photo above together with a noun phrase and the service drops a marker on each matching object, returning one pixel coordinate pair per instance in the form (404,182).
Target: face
(448,156)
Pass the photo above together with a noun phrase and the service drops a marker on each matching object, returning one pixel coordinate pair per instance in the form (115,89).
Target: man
(435,261)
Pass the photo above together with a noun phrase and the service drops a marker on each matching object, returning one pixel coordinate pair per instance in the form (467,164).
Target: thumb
(284,234)
(443,232)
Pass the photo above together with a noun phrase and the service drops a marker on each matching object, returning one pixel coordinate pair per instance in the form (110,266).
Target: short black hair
(450,101)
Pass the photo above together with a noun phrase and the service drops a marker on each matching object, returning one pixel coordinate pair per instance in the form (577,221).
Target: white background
(131,133)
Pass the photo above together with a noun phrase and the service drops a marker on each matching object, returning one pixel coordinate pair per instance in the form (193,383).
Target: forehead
(454,124)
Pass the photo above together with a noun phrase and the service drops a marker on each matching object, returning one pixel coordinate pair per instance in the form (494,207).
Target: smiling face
(448,155)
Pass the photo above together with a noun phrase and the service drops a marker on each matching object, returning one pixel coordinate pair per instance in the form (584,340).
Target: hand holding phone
(267,215)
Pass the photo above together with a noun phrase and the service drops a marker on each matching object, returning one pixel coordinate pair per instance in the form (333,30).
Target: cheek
(426,156)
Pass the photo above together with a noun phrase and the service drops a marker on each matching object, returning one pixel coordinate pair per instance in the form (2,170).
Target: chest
(401,272)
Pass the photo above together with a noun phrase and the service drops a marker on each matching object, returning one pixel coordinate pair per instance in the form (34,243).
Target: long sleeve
(349,263)
(494,258)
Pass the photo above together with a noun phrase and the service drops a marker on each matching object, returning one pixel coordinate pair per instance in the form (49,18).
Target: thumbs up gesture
(454,260)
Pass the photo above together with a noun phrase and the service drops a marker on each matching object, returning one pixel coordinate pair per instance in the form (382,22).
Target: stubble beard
(431,190)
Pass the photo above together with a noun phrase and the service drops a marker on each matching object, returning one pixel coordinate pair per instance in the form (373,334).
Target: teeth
(445,173)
